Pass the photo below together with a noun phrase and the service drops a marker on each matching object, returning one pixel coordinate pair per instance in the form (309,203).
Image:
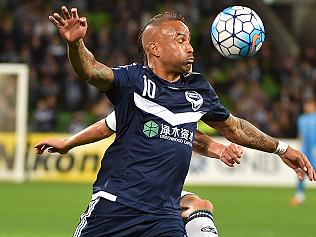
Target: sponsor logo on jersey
(176,134)
(195,99)
(167,132)
(151,129)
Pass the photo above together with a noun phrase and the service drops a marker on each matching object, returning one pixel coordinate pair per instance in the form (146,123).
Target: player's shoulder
(193,75)
(196,77)
(198,80)
(128,73)
(129,67)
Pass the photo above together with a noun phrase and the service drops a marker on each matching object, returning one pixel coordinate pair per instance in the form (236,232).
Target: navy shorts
(112,219)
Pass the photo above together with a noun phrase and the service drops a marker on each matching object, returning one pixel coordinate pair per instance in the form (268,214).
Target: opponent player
(138,186)
(196,213)
(306,125)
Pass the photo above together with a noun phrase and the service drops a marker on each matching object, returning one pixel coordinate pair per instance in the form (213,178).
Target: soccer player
(157,107)
(306,125)
(196,213)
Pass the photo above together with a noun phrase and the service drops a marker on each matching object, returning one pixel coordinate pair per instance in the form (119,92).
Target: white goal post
(13,120)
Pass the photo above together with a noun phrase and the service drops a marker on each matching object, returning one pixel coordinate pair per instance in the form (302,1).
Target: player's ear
(153,49)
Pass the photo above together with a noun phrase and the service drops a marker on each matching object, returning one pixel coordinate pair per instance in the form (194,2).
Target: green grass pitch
(53,209)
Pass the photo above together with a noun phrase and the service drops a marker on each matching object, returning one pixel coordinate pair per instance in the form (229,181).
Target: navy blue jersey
(146,165)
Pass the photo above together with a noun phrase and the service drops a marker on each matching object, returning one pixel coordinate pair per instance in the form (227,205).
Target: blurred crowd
(266,90)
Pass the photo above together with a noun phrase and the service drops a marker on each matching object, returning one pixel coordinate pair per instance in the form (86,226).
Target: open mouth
(190,60)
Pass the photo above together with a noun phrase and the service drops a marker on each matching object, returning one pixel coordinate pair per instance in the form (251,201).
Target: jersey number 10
(149,88)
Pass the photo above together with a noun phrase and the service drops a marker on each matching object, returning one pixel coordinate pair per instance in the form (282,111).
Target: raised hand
(231,154)
(71,27)
(53,145)
(299,163)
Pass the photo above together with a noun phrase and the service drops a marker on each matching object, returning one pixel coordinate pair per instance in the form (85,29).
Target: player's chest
(177,98)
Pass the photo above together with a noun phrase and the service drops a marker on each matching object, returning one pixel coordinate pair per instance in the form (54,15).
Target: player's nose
(190,49)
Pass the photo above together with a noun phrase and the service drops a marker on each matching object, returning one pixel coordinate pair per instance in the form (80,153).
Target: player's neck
(164,74)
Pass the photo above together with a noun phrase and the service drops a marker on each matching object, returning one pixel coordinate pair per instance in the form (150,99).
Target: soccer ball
(237,32)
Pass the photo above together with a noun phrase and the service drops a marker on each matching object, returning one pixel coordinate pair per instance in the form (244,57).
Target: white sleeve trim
(111,121)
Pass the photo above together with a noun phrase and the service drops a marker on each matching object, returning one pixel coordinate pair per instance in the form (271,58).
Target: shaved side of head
(152,31)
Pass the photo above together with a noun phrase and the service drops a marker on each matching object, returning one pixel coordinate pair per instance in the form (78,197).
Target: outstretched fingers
(300,174)
(83,21)
(301,170)
(55,22)
(60,20)
(310,171)
(297,160)
(74,13)
(40,148)
(65,12)
(306,166)
(302,160)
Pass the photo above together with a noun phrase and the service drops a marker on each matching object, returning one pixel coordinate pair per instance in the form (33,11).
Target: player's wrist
(74,44)
(281,148)
(219,151)
(68,144)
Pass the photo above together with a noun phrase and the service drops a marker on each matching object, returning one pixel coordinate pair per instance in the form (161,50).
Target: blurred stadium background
(250,201)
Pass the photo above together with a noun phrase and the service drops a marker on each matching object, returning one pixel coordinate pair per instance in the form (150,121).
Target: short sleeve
(110,121)
(217,111)
(124,80)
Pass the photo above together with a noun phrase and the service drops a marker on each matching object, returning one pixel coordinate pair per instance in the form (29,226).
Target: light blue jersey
(307,132)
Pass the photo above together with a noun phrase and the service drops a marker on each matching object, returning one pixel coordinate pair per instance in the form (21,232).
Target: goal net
(13,120)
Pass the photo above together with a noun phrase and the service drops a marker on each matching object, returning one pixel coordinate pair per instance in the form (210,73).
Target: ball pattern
(237,32)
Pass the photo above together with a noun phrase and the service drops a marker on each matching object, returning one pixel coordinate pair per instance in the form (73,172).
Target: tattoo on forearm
(199,145)
(88,69)
(86,59)
(252,137)
(81,60)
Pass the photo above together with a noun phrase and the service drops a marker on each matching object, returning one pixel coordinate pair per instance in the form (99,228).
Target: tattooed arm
(244,133)
(73,29)
(87,68)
